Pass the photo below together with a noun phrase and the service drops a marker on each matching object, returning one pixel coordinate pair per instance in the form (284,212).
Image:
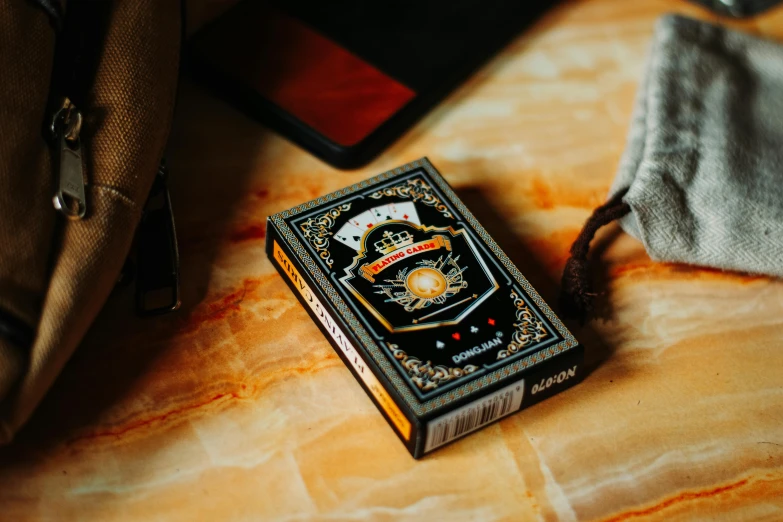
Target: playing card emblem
(430,282)
(413,276)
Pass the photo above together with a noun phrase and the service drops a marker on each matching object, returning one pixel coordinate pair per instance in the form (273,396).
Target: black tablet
(344,79)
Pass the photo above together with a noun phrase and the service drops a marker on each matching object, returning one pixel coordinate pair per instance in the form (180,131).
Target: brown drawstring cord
(576,292)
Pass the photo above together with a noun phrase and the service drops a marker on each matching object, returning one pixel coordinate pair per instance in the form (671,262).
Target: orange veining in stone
(684,497)
(249,233)
(154,420)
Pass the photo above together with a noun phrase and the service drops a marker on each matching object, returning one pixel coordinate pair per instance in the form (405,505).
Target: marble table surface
(237,408)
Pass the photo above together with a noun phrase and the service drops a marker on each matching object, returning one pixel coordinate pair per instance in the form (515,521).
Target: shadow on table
(596,350)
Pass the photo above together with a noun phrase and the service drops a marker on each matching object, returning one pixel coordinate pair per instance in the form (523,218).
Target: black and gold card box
(439,327)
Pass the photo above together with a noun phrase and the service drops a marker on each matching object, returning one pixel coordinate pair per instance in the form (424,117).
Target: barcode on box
(474,415)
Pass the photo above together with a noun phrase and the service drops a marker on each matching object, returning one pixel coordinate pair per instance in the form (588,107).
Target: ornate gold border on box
(318,229)
(415,190)
(426,376)
(529,329)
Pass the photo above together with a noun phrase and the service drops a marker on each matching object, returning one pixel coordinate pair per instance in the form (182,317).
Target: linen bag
(701,179)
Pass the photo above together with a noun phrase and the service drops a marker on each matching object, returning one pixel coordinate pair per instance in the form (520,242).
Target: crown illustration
(391,242)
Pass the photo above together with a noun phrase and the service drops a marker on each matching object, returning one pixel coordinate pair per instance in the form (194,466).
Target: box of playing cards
(439,327)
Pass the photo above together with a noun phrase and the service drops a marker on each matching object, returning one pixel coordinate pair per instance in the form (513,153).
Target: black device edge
(737,8)
(345,157)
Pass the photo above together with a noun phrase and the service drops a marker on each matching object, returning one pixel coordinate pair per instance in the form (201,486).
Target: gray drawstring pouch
(701,179)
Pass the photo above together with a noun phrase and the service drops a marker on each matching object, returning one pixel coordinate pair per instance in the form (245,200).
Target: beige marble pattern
(236,408)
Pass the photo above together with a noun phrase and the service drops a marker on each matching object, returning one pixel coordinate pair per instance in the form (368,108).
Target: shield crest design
(412,277)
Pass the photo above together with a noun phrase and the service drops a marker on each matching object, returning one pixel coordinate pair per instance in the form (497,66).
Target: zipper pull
(157,278)
(66,126)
